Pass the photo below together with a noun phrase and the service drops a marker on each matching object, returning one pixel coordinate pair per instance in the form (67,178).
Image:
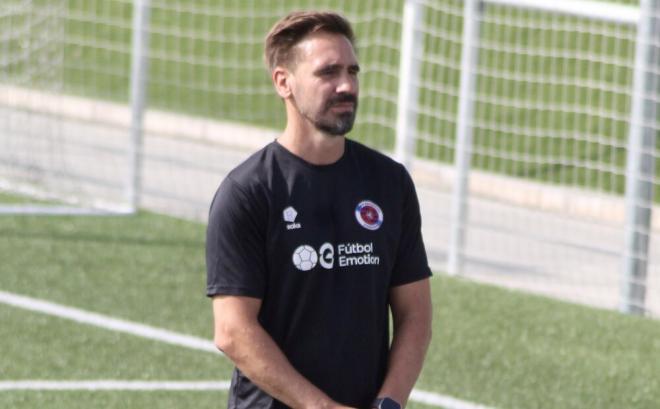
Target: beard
(335,124)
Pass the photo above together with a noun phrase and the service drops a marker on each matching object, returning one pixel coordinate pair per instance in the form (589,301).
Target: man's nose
(347,84)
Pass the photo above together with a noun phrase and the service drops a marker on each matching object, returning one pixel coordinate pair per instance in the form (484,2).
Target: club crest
(369,215)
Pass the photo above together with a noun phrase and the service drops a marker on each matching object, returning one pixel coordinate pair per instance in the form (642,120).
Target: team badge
(369,215)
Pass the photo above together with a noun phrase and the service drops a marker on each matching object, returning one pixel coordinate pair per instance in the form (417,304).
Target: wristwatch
(385,403)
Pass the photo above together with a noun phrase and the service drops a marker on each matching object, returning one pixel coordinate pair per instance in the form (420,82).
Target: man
(310,241)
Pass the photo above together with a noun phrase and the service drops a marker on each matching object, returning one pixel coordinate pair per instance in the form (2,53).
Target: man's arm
(240,336)
(412,315)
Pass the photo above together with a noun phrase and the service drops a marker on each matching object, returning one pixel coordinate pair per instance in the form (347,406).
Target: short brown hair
(291,29)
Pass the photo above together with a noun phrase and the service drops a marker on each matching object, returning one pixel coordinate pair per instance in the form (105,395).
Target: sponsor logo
(290,215)
(327,256)
(356,254)
(305,257)
(369,215)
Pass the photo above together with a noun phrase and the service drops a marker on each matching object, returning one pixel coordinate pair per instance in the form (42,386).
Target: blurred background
(531,129)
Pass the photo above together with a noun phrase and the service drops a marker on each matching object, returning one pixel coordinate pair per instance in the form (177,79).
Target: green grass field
(490,346)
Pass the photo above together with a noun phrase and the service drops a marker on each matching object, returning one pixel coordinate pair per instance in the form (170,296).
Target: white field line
(106,322)
(447,402)
(114,385)
(156,334)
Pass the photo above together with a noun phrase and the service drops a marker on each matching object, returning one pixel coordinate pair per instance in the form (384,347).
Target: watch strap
(386,403)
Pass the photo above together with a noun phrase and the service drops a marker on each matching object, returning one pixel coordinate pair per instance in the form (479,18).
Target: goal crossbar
(593,10)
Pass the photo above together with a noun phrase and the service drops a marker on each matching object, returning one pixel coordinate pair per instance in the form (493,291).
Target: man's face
(325,82)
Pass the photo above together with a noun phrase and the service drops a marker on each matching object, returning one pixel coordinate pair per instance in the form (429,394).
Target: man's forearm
(256,354)
(412,315)
(409,344)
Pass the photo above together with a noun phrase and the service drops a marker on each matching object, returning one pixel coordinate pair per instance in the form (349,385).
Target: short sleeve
(411,263)
(235,243)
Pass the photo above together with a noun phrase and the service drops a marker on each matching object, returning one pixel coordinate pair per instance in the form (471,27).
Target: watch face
(388,403)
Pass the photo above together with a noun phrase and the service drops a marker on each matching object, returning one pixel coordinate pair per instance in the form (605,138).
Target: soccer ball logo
(305,258)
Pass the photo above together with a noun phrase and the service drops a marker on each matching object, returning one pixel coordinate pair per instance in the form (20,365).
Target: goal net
(50,163)
(551,123)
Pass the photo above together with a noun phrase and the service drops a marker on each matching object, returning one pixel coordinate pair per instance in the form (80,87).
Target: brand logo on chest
(290,215)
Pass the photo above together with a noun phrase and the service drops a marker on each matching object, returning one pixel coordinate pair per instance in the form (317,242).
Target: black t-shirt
(320,246)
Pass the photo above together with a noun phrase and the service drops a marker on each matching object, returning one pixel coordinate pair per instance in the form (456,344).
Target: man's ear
(282,80)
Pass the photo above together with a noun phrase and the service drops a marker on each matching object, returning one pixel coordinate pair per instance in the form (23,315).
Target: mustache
(341,98)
